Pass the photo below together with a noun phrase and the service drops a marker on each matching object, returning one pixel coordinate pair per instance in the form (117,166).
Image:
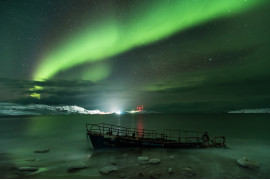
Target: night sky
(170,56)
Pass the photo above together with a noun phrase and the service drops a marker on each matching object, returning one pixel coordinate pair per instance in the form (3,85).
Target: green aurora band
(142,25)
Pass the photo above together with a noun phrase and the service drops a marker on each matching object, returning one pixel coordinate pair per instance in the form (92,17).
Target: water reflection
(119,120)
(140,125)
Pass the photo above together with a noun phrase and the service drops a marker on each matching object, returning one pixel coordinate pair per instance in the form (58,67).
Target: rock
(141,173)
(143,158)
(172,157)
(39,171)
(76,166)
(108,169)
(151,174)
(170,171)
(31,160)
(154,175)
(28,168)
(42,151)
(188,171)
(154,161)
(144,162)
(27,171)
(122,175)
(244,162)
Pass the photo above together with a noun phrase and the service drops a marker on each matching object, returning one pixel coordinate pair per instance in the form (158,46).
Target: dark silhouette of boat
(108,136)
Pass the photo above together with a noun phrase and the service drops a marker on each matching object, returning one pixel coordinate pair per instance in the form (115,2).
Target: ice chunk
(76,166)
(143,158)
(154,161)
(108,169)
(244,162)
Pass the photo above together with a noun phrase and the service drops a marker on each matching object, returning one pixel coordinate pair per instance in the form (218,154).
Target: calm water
(246,135)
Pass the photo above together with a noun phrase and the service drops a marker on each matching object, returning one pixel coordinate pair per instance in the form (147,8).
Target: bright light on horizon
(132,112)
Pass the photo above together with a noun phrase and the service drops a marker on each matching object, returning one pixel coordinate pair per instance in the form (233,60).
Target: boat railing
(168,136)
(181,136)
(187,137)
(114,130)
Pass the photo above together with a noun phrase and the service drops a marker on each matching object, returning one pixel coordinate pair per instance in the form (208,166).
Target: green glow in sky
(96,73)
(142,26)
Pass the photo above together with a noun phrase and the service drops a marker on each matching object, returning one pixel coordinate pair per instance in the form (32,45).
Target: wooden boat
(108,136)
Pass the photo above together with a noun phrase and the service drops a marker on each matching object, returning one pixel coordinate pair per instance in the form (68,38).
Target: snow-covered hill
(265,110)
(41,109)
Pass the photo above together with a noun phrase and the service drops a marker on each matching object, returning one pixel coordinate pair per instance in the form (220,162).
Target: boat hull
(100,142)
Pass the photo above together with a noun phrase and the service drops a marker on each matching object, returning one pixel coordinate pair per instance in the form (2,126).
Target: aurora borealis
(176,56)
(115,36)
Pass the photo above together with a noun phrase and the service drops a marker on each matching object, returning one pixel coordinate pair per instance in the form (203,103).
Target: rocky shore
(129,163)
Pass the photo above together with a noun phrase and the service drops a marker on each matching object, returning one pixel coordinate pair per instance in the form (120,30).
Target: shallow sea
(65,135)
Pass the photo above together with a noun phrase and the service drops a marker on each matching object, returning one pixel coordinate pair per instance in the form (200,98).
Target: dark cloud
(49,88)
